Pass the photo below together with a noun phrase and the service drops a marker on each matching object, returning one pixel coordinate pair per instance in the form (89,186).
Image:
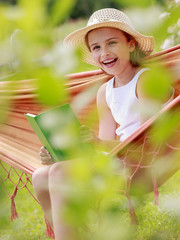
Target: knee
(57,179)
(40,178)
(58,172)
(55,171)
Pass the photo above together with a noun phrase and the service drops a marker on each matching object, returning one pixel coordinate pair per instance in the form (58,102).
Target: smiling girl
(110,42)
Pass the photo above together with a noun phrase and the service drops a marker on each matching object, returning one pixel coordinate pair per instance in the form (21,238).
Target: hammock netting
(141,153)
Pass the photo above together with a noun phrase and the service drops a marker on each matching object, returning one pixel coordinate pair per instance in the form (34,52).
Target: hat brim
(77,38)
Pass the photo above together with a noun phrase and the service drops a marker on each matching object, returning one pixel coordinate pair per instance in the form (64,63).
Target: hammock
(19,146)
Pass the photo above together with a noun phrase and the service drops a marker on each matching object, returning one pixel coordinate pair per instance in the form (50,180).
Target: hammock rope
(19,146)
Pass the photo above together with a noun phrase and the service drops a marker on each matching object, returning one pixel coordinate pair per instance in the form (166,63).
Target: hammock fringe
(14,213)
(49,230)
(132,214)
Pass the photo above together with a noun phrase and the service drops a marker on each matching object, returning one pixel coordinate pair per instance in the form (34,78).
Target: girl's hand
(88,135)
(45,156)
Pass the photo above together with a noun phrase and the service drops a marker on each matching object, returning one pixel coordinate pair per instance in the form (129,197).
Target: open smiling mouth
(109,63)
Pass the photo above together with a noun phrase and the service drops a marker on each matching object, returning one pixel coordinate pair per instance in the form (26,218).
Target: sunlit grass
(159,222)
(30,224)
(44,47)
(155,222)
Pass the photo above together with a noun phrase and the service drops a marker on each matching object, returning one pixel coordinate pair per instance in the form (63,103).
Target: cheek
(123,50)
(95,57)
(124,54)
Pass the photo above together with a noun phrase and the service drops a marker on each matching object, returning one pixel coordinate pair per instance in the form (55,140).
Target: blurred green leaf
(165,127)
(51,89)
(157,83)
(59,10)
(33,15)
(93,184)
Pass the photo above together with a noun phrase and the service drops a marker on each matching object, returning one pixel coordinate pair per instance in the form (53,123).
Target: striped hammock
(19,145)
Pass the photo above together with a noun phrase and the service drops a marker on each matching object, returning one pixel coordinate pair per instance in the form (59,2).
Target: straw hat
(108,17)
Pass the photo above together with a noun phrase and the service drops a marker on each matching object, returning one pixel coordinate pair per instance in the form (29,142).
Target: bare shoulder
(105,116)
(102,89)
(141,84)
(102,105)
(101,94)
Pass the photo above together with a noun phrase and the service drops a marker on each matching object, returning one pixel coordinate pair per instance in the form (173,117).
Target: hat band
(96,21)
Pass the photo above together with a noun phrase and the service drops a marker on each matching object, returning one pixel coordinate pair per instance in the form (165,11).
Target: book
(57,129)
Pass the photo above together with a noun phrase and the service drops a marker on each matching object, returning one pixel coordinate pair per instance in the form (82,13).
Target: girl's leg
(40,181)
(58,197)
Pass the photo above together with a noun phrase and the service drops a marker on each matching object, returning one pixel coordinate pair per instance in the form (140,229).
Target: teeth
(108,61)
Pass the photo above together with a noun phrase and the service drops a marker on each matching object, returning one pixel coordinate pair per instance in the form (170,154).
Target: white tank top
(123,102)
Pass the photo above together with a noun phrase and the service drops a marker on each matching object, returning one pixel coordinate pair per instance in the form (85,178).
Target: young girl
(110,42)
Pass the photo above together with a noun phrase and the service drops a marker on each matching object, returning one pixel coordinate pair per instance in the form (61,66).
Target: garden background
(31,46)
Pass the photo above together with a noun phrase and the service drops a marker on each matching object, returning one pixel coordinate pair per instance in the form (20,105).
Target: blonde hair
(137,55)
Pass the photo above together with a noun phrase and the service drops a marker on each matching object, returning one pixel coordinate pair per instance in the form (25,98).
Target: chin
(109,71)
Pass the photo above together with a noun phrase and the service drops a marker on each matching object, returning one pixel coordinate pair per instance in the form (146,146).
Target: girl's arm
(107,124)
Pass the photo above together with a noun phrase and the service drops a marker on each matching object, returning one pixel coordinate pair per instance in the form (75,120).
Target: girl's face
(110,49)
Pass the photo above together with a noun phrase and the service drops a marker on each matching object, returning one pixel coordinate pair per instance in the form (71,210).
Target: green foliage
(93,205)
(156,84)
(59,10)
(34,52)
(86,8)
(167,26)
(166,126)
(50,88)
(139,3)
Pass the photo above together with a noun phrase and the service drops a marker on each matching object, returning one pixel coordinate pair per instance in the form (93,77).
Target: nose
(104,52)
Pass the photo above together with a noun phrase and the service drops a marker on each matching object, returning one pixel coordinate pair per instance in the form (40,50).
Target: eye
(95,48)
(112,42)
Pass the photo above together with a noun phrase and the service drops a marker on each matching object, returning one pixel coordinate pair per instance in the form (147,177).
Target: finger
(45,159)
(87,131)
(84,128)
(47,163)
(87,138)
(44,154)
(43,149)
